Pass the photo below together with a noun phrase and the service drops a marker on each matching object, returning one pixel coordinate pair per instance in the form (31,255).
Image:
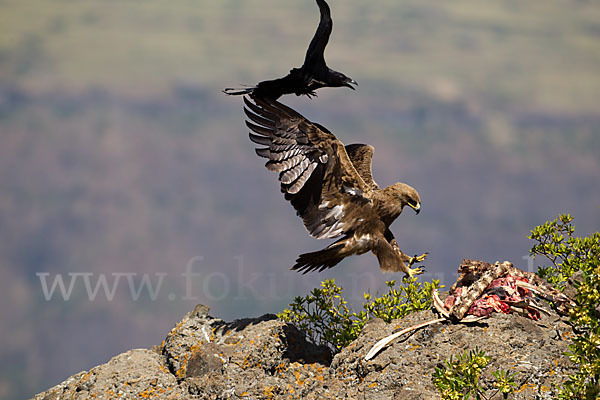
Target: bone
(386,340)
(464,303)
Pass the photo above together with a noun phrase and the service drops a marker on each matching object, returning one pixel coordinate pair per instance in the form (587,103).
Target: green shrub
(397,303)
(505,382)
(569,255)
(325,317)
(459,378)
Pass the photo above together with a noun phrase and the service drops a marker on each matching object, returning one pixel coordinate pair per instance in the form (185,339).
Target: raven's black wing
(315,54)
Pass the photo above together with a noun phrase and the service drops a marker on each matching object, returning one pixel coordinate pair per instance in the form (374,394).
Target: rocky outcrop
(265,358)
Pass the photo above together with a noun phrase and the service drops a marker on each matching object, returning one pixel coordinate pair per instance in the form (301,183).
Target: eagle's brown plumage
(331,187)
(361,156)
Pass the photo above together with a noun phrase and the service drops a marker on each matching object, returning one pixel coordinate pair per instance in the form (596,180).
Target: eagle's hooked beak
(416,207)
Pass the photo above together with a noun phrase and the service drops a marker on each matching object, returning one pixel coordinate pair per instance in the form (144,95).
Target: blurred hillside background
(120,155)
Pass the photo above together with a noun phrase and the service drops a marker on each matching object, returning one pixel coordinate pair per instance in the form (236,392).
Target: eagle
(312,75)
(331,187)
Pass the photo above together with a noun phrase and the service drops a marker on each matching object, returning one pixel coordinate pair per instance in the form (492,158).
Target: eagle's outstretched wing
(361,156)
(315,172)
(315,57)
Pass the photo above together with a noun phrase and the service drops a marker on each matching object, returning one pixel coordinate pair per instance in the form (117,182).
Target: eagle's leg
(404,259)
(409,261)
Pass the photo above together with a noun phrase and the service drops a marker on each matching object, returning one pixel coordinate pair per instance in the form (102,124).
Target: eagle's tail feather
(320,260)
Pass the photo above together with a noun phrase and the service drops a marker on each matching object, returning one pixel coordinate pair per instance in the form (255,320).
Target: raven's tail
(238,91)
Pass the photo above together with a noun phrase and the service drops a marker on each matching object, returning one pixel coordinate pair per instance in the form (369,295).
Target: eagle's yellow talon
(413,272)
(417,259)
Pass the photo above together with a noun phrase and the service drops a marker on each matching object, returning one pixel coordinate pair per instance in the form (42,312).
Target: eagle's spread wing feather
(315,172)
(361,156)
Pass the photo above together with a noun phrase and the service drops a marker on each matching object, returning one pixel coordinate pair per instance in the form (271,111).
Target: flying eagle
(331,187)
(312,75)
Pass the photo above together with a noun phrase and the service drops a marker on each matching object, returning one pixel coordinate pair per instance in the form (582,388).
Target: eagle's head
(407,196)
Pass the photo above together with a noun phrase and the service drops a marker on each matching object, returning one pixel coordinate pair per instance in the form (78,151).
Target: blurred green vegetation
(533,55)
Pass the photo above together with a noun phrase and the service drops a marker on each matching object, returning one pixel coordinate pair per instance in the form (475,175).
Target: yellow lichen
(280,368)
(525,387)
(268,392)
(176,327)
(298,380)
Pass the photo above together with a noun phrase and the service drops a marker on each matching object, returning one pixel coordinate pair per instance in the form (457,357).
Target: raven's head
(337,79)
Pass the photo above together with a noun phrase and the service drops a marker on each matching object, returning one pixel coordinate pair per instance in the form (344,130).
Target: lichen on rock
(266,358)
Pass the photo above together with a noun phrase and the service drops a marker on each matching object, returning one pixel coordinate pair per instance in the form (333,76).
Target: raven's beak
(350,81)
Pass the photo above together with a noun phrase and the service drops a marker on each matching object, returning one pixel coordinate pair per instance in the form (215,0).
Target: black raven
(312,75)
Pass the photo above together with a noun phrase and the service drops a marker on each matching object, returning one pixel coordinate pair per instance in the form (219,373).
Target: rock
(137,373)
(535,350)
(266,358)
(572,283)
